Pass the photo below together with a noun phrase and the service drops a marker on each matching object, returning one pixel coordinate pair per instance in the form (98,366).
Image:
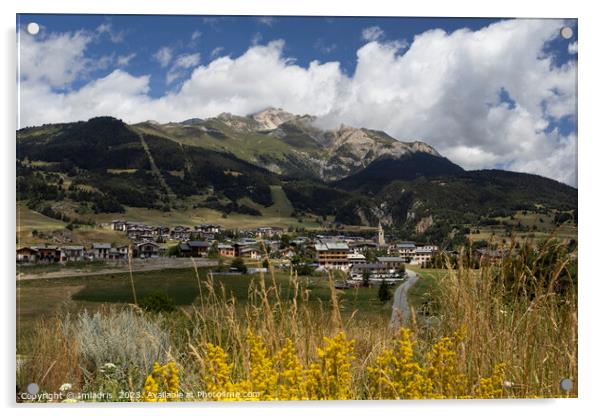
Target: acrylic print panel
(315,208)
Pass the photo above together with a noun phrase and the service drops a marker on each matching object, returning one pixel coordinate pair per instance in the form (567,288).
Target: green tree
(239,264)
(213,252)
(366,278)
(384,293)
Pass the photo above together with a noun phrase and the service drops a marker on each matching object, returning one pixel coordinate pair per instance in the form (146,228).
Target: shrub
(159,301)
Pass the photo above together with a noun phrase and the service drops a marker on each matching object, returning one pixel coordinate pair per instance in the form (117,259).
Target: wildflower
(263,377)
(162,384)
(492,387)
(396,374)
(330,377)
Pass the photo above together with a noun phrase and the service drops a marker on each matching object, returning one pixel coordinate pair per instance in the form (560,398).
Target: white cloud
(182,62)
(195,35)
(443,89)
(572,48)
(54,60)
(116,36)
(217,51)
(124,60)
(163,56)
(372,33)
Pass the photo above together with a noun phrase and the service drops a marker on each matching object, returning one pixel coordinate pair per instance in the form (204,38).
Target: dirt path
(401,307)
(138,265)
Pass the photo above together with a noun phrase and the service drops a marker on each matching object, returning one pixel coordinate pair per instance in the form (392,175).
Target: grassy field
(541,227)
(421,295)
(43,297)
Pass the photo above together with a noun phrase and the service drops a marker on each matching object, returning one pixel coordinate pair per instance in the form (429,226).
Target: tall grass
(530,333)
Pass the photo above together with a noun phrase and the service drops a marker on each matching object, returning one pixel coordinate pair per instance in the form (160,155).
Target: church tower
(381,235)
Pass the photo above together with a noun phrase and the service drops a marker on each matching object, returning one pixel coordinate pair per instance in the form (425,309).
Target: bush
(159,301)
(384,293)
(239,264)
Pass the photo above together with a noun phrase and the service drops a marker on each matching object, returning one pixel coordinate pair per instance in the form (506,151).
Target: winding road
(401,308)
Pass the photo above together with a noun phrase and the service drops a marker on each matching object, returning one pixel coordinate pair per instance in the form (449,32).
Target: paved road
(401,308)
(138,265)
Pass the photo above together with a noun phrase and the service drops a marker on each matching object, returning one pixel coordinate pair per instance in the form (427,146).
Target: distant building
(375,270)
(195,248)
(226,250)
(381,235)
(72,253)
(147,249)
(119,225)
(331,254)
(423,255)
(392,262)
(250,252)
(47,254)
(355,258)
(27,255)
(100,251)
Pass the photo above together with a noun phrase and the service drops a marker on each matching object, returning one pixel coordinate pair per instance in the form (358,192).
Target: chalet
(100,251)
(47,254)
(422,255)
(243,243)
(72,253)
(180,233)
(27,255)
(405,249)
(160,233)
(355,258)
(119,225)
(375,270)
(199,248)
(119,253)
(208,228)
(362,245)
(393,262)
(331,254)
(225,250)
(250,252)
(268,232)
(288,252)
(147,250)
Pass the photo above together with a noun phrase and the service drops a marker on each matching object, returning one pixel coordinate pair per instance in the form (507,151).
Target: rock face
(271,118)
(286,143)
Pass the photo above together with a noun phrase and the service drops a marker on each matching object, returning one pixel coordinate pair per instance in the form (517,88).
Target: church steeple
(381,235)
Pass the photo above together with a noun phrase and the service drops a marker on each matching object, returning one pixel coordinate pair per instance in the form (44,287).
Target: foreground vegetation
(500,331)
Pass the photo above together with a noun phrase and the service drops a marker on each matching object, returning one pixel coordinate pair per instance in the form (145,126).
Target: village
(357,257)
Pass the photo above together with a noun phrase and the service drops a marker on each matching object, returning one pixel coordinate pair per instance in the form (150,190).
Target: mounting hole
(33,28)
(566,32)
(566,384)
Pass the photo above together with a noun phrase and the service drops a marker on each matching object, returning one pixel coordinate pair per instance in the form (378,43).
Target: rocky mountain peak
(271,117)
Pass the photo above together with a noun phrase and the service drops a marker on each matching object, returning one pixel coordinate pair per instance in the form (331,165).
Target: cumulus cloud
(195,35)
(483,98)
(372,33)
(124,60)
(163,56)
(182,62)
(572,48)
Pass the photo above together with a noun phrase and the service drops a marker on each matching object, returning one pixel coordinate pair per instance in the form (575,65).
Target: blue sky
(176,67)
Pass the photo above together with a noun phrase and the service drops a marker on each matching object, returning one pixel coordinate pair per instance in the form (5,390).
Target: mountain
(288,144)
(244,164)
(411,166)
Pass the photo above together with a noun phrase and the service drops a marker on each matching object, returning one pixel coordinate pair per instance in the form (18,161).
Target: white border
(590,152)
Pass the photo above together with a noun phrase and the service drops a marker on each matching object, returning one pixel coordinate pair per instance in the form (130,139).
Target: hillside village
(355,256)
